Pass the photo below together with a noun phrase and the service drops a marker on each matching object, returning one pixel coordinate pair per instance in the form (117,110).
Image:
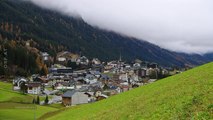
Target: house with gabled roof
(34,88)
(74,97)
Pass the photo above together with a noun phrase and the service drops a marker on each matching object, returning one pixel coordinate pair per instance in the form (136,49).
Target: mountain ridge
(77,36)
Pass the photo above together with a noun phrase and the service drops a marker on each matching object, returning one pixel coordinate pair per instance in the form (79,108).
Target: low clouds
(177,25)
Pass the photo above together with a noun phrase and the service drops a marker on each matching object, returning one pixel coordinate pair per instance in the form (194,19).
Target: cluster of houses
(96,82)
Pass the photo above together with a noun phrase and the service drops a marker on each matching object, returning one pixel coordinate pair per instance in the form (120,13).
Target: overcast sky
(177,25)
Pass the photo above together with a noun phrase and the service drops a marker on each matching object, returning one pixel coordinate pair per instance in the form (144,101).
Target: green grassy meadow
(185,96)
(7,94)
(18,111)
(16,106)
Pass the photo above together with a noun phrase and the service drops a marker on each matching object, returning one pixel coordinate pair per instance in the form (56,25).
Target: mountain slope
(184,96)
(77,36)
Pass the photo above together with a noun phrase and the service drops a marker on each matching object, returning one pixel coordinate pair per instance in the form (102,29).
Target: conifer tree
(38,100)
(46,100)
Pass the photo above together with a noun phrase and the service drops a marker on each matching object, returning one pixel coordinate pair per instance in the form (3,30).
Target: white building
(34,88)
(73,97)
(96,61)
(62,59)
(45,56)
(123,77)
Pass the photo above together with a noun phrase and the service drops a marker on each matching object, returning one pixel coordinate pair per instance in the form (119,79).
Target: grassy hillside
(16,106)
(7,94)
(188,95)
(18,111)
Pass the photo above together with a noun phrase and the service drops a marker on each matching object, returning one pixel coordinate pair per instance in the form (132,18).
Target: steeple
(120,59)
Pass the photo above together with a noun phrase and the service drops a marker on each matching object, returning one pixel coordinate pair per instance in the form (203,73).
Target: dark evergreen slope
(77,36)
